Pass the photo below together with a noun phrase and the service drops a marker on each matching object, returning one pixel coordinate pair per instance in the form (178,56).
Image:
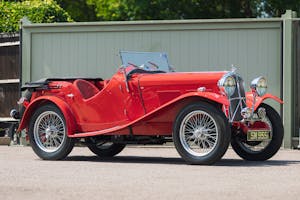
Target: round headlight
(259,85)
(227,85)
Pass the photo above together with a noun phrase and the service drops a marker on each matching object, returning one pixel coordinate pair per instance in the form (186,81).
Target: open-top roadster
(146,102)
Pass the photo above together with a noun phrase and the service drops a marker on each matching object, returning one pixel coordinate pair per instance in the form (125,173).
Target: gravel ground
(146,173)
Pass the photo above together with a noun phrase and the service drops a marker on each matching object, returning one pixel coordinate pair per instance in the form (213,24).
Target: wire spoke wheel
(201,133)
(261,150)
(49,131)
(198,133)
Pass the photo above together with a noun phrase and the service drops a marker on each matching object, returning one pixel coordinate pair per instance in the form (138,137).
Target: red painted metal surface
(259,100)
(148,105)
(256,125)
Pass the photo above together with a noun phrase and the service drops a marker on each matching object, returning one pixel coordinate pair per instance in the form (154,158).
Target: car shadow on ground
(267,163)
(179,161)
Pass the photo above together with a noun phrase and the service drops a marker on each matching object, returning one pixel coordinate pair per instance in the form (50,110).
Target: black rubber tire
(67,144)
(111,151)
(223,138)
(271,149)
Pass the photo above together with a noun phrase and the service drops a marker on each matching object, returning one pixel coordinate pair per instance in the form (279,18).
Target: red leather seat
(86,88)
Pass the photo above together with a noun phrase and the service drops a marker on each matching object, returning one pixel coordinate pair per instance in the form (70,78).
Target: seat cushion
(86,88)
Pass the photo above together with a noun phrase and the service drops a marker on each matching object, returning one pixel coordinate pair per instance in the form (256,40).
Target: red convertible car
(146,102)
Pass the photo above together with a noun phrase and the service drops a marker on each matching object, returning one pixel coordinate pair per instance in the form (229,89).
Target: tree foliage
(37,11)
(80,10)
(109,10)
(170,9)
(112,10)
(275,8)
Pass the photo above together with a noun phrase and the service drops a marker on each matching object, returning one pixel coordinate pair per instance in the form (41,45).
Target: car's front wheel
(261,150)
(201,133)
(48,133)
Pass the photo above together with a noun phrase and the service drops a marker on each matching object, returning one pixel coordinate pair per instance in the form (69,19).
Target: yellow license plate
(258,135)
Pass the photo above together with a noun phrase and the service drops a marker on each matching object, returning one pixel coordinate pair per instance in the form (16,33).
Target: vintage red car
(146,102)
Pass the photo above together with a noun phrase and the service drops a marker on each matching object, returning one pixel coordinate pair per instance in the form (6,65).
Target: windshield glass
(150,61)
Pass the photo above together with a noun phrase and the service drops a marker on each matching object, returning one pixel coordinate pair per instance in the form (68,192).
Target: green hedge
(37,11)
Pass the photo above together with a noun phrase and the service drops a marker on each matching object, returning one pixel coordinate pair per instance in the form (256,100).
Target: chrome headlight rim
(259,85)
(227,84)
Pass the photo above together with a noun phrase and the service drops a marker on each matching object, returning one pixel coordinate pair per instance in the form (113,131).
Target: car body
(146,102)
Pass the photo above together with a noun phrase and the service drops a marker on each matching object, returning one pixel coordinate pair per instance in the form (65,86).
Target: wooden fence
(9,73)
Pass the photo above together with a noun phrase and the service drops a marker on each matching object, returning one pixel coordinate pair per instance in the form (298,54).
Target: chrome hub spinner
(50,130)
(200,133)
(262,113)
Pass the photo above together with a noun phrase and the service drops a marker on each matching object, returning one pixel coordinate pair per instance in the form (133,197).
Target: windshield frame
(147,61)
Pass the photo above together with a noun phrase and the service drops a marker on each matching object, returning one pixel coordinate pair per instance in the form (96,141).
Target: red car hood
(188,80)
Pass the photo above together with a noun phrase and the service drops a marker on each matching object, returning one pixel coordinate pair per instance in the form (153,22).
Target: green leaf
(37,11)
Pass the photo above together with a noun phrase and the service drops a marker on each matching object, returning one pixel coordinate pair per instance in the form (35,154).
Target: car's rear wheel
(201,133)
(261,150)
(104,148)
(48,133)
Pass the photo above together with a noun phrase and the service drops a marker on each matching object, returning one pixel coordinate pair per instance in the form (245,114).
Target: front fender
(221,99)
(62,105)
(259,100)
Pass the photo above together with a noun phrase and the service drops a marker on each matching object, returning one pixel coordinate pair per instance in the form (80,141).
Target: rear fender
(260,100)
(63,106)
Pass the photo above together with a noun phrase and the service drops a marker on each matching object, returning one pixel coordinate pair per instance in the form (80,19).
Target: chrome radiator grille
(237,100)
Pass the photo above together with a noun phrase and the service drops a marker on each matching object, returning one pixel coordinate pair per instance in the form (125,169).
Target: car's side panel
(117,106)
(160,119)
(134,104)
(158,89)
(102,111)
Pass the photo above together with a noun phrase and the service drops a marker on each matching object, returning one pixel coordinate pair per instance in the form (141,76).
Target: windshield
(150,61)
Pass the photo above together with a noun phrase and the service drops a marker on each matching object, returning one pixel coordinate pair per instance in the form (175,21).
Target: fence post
(288,78)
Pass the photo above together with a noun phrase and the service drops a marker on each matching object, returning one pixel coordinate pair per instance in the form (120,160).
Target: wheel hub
(200,134)
(50,130)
